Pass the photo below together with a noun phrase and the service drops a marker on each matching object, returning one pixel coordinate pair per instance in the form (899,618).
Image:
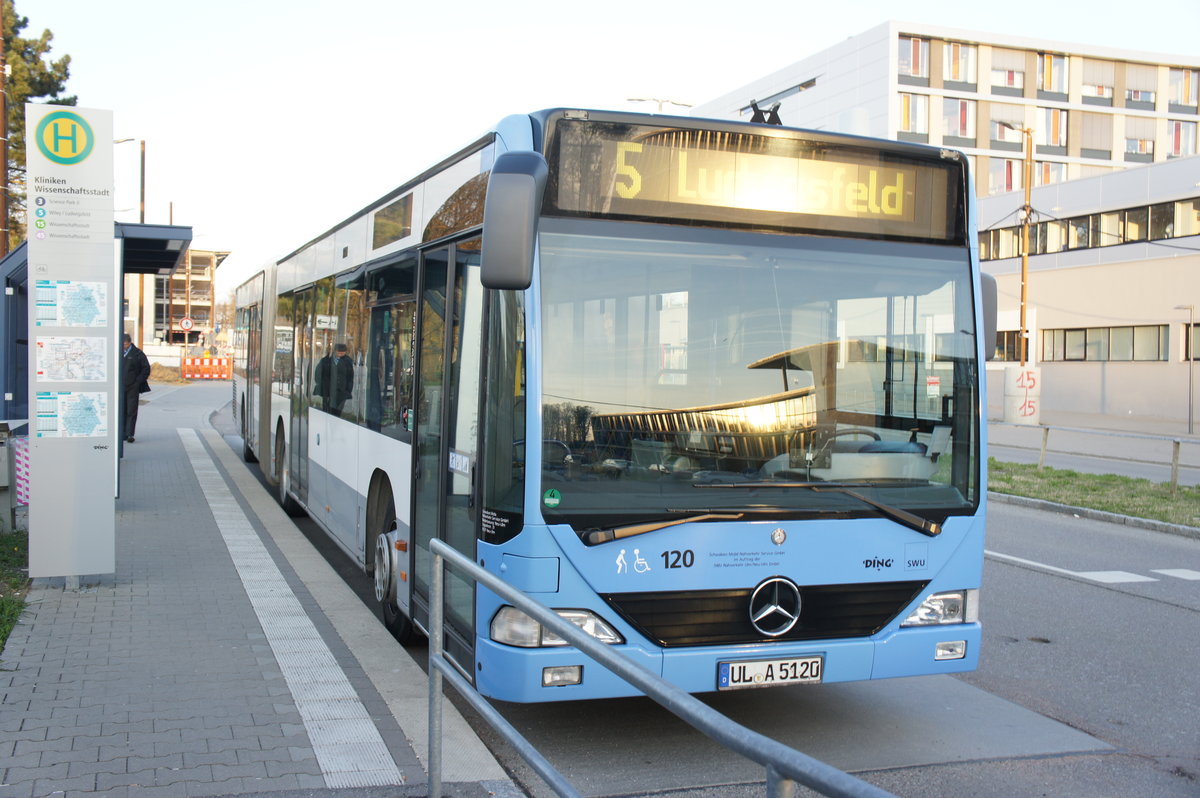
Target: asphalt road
(1086,688)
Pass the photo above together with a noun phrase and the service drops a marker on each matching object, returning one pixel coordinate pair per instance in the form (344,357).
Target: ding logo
(65,137)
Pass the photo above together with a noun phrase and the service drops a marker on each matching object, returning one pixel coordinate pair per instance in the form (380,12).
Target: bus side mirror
(510,213)
(988,290)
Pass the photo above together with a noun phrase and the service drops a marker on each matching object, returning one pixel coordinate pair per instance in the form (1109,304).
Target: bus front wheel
(386,567)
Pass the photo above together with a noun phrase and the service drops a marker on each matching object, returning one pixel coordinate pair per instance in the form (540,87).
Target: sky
(267,122)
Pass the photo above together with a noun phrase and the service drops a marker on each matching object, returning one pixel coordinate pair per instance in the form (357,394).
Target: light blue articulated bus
(710,390)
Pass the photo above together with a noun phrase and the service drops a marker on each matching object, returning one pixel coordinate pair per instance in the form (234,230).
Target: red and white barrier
(207,368)
(20,447)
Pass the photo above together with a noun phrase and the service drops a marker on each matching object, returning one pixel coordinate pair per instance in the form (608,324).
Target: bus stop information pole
(74,368)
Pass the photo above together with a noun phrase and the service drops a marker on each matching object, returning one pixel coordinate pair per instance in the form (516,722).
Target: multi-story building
(1088,110)
(180,302)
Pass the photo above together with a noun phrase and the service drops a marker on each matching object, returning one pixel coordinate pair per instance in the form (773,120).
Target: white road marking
(1180,573)
(1103,577)
(1114,577)
(347,745)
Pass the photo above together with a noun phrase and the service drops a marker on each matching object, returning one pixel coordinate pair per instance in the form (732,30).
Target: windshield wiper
(897,514)
(595,536)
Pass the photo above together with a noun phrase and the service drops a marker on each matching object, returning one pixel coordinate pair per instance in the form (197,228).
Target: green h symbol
(71,138)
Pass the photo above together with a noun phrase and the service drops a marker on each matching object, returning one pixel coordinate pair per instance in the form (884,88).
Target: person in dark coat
(334,380)
(135,371)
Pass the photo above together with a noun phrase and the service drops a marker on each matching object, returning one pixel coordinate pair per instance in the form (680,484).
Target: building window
(1139,146)
(1181,87)
(1008,242)
(1135,224)
(1096,132)
(1053,129)
(1098,80)
(1110,229)
(958,63)
(1047,172)
(1005,124)
(1046,238)
(1187,218)
(914,57)
(1139,138)
(1008,71)
(1192,343)
(958,118)
(1162,221)
(1144,342)
(1004,174)
(1150,343)
(1181,139)
(1080,232)
(1008,79)
(1000,244)
(1123,226)
(1008,345)
(1141,82)
(914,113)
(1052,73)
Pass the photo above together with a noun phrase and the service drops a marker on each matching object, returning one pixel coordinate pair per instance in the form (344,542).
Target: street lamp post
(1026,213)
(141,219)
(1190,350)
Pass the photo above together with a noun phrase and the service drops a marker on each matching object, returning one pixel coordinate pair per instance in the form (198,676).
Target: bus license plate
(769,672)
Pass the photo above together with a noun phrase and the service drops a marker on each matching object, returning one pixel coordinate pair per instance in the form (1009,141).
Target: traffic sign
(186,324)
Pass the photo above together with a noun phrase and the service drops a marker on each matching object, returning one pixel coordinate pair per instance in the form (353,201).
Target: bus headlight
(952,606)
(514,628)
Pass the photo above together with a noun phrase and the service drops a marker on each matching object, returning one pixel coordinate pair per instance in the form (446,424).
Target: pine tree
(29,77)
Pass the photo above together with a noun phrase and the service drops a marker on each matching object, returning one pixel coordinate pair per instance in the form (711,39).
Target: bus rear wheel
(289,505)
(247,453)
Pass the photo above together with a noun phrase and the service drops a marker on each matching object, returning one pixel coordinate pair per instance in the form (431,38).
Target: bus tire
(384,568)
(289,504)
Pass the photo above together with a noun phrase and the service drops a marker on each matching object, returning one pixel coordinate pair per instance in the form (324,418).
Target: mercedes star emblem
(775,606)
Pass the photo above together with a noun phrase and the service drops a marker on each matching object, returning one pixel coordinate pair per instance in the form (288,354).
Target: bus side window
(390,354)
(352,331)
(390,370)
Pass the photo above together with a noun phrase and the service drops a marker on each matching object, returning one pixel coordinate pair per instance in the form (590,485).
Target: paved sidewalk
(208,664)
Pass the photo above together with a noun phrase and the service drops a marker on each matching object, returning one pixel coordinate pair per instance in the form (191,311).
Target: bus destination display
(748,180)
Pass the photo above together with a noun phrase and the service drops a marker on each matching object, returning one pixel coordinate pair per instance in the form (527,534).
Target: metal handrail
(785,766)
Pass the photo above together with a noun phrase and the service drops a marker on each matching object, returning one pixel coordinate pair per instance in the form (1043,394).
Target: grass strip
(1139,498)
(14,580)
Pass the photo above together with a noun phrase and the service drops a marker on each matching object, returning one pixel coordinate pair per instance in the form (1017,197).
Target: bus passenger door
(301,381)
(446,434)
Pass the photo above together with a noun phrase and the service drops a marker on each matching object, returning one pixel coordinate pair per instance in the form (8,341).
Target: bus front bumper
(515,674)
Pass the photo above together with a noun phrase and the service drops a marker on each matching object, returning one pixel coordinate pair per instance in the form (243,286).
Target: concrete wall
(1130,293)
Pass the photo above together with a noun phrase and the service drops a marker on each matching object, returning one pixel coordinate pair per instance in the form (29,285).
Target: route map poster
(71,303)
(74,359)
(71,414)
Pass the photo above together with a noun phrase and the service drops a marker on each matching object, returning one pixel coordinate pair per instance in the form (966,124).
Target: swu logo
(877,564)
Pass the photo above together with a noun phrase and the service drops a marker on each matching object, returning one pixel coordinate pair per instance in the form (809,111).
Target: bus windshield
(681,359)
